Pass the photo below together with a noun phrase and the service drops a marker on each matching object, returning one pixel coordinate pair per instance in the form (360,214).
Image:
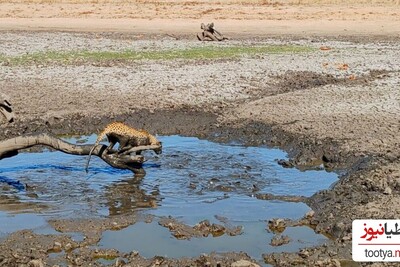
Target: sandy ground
(339,106)
(177,17)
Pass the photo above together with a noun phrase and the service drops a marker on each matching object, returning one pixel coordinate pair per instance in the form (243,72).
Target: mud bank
(359,186)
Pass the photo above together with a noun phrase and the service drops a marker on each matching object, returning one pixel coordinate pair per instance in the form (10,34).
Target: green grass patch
(205,52)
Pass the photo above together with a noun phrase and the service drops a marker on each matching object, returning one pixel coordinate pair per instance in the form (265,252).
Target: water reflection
(4,180)
(14,204)
(127,196)
(192,181)
(191,175)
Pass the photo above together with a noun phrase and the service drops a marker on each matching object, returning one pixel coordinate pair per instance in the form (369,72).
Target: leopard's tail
(99,138)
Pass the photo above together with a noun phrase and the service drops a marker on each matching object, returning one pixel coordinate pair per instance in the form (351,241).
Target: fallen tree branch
(10,147)
(209,33)
(5,108)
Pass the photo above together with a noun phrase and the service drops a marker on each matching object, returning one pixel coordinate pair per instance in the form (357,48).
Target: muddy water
(191,181)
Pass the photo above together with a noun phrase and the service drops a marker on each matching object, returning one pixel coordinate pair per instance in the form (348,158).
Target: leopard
(127,137)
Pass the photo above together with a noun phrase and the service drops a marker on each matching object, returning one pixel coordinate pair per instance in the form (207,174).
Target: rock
(279,240)
(327,159)
(310,214)
(325,48)
(327,263)
(339,228)
(244,263)
(68,246)
(388,191)
(217,230)
(119,263)
(202,226)
(57,246)
(347,237)
(304,253)
(277,225)
(78,261)
(36,263)
(285,163)
(135,253)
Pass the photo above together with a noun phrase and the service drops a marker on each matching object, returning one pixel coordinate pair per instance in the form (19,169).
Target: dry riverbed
(333,102)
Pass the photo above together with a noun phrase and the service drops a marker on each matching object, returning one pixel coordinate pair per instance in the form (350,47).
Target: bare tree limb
(209,33)
(10,147)
(5,108)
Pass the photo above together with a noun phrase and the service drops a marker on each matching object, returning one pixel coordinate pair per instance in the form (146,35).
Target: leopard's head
(158,150)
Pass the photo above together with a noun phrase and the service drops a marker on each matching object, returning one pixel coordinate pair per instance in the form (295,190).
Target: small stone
(285,163)
(339,228)
(78,261)
(279,240)
(325,48)
(158,260)
(217,229)
(57,246)
(347,237)
(244,263)
(304,253)
(15,255)
(36,263)
(120,262)
(310,214)
(277,225)
(68,246)
(135,253)
(388,191)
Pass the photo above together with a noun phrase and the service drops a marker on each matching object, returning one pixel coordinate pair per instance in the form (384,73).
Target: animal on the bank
(126,136)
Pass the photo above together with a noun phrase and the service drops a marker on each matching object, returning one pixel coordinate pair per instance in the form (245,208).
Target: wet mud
(304,154)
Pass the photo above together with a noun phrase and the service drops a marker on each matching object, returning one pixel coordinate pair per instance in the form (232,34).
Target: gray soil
(309,104)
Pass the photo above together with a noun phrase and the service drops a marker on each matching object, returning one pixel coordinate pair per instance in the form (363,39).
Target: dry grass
(227,2)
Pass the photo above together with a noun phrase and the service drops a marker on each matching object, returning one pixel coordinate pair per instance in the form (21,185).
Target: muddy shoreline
(370,170)
(305,153)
